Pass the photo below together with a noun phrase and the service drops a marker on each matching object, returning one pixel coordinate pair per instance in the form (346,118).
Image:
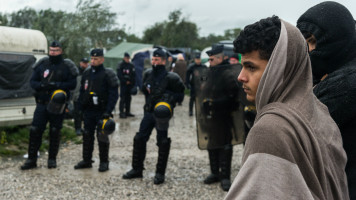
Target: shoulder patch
(72,68)
(40,62)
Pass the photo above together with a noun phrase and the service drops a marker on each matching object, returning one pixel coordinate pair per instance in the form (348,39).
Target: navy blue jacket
(63,75)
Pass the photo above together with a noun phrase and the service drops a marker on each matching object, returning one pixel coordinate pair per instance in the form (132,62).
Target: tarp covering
(139,61)
(15,75)
(116,54)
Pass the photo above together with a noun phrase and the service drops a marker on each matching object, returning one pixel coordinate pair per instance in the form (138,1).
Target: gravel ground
(186,170)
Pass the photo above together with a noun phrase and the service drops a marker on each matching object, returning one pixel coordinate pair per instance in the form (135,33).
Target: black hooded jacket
(334,29)
(335,54)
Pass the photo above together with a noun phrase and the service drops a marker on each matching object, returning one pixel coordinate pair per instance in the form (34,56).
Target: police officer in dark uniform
(98,97)
(52,76)
(127,75)
(78,115)
(222,99)
(161,89)
(190,80)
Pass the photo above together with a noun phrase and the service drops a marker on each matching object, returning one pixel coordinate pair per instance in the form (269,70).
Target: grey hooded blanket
(294,150)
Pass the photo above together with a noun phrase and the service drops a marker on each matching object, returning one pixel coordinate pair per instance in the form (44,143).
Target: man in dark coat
(78,115)
(329,29)
(190,80)
(127,75)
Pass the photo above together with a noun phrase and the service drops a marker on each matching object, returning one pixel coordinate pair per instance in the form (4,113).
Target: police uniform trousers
(163,142)
(125,99)
(40,118)
(91,118)
(191,100)
(78,116)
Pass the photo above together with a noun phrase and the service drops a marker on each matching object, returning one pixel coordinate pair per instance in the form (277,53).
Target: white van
(19,50)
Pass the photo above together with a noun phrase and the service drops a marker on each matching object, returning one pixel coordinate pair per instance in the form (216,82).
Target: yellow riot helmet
(57,102)
(105,128)
(162,113)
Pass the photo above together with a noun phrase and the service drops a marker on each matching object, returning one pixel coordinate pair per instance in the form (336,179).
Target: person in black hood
(162,90)
(329,29)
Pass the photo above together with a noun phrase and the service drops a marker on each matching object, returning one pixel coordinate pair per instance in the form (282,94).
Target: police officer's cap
(84,60)
(96,52)
(159,53)
(56,44)
(126,55)
(215,50)
(197,55)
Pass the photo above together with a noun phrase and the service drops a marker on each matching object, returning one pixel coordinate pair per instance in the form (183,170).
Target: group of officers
(218,97)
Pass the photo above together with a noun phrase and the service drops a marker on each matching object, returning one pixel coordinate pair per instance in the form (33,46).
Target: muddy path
(186,170)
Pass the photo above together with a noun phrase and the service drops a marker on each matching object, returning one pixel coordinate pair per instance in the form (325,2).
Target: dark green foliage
(14,139)
(92,25)
(180,32)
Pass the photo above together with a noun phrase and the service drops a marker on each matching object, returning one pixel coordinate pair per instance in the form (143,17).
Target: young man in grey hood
(294,150)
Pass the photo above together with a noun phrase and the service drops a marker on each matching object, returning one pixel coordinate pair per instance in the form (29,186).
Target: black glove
(48,85)
(44,85)
(107,115)
(207,106)
(52,85)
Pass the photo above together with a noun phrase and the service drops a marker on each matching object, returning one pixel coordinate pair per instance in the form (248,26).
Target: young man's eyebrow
(248,63)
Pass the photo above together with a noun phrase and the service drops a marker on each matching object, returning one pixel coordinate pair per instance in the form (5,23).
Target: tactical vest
(50,73)
(95,90)
(158,87)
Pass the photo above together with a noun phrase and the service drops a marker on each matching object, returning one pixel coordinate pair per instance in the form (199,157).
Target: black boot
(88,147)
(54,140)
(104,156)
(33,147)
(121,108)
(128,107)
(78,118)
(163,153)
(138,156)
(225,165)
(191,103)
(214,167)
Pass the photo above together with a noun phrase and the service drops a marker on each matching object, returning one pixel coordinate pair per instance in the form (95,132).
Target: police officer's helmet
(162,110)
(106,126)
(57,102)
(59,96)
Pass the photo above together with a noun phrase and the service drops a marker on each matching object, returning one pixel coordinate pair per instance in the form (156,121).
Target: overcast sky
(211,16)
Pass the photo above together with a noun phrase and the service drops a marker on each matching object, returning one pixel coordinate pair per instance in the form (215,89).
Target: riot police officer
(78,115)
(127,75)
(190,80)
(220,115)
(162,90)
(53,77)
(98,97)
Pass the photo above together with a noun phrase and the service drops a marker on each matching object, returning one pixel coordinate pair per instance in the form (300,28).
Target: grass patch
(14,139)
(187,92)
